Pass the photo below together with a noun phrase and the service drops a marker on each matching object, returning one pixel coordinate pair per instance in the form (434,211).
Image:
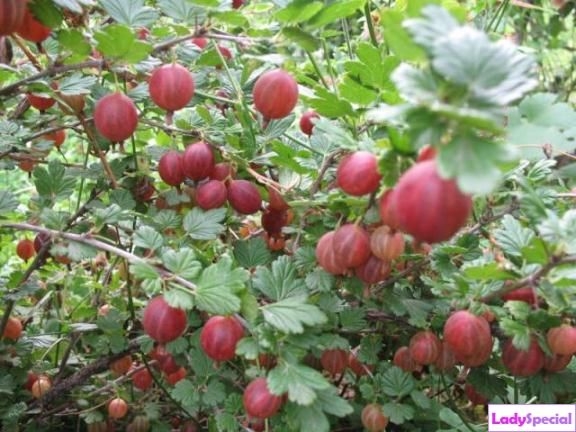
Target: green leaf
(179,299)
(494,72)
(218,287)
(46,12)
(487,272)
(329,104)
(299,11)
(291,314)
(8,202)
(299,381)
(519,331)
(473,161)
(122,198)
(512,237)
(329,401)
(353,319)
(73,42)
(53,183)
(305,40)
(397,383)
(119,42)
(215,393)
(420,399)
(182,11)
(487,384)
(279,282)
(357,93)
(320,281)
(373,69)
(308,418)
(132,13)
(204,225)
(435,24)
(398,38)
(181,262)
(186,393)
(398,413)
(252,252)
(336,11)
(148,238)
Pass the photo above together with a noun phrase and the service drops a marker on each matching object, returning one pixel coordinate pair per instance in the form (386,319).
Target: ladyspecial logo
(537,418)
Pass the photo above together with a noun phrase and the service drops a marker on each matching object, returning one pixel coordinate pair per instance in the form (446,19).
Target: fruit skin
(11,15)
(41,103)
(13,329)
(373,419)
(170,168)
(25,249)
(525,294)
(142,379)
(117,408)
(41,386)
(162,322)
(446,359)
(211,195)
(174,377)
(426,153)
(357,174)
(387,244)
(259,402)
(122,365)
(222,171)
(562,340)
(523,363)
(115,117)
(404,360)
(556,363)
(325,254)
(387,214)
(424,347)
(171,87)
(58,137)
(374,270)
(351,245)
(360,369)
(198,160)
(31,29)
(275,94)
(334,361)
(429,208)
(237,4)
(219,337)
(200,42)
(307,122)
(244,197)
(274,220)
(466,334)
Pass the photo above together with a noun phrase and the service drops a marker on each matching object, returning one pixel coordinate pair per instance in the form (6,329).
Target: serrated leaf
(397,37)
(487,384)
(181,262)
(436,23)
(77,84)
(329,401)
(487,272)
(252,252)
(512,237)
(72,41)
(182,11)
(328,104)
(132,13)
(218,287)
(396,383)
(204,225)
(110,214)
(53,183)
(148,238)
(306,40)
(353,319)
(8,202)
(143,270)
(215,393)
(187,394)
(119,42)
(299,381)
(299,11)
(420,399)
(494,72)
(179,299)
(291,314)
(320,281)
(280,281)
(398,413)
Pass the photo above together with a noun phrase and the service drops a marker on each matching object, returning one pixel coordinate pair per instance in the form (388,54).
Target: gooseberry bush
(284,216)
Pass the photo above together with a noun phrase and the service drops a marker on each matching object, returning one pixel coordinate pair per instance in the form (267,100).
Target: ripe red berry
(275,94)
(374,270)
(122,365)
(40,240)
(170,168)
(11,16)
(556,363)
(142,379)
(446,359)
(334,361)
(237,4)
(274,220)
(326,256)
(466,334)
(41,103)
(162,322)
(387,214)
(117,408)
(115,117)
(404,360)
(426,153)
(13,329)
(57,137)
(178,375)
(473,396)
(357,174)
(171,87)
(31,29)
(259,402)
(307,122)
(198,160)
(429,208)
(373,419)
(222,171)
(562,340)
(244,196)
(351,245)
(523,363)
(211,194)
(424,347)
(386,244)
(219,337)
(525,294)
(200,42)
(25,249)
